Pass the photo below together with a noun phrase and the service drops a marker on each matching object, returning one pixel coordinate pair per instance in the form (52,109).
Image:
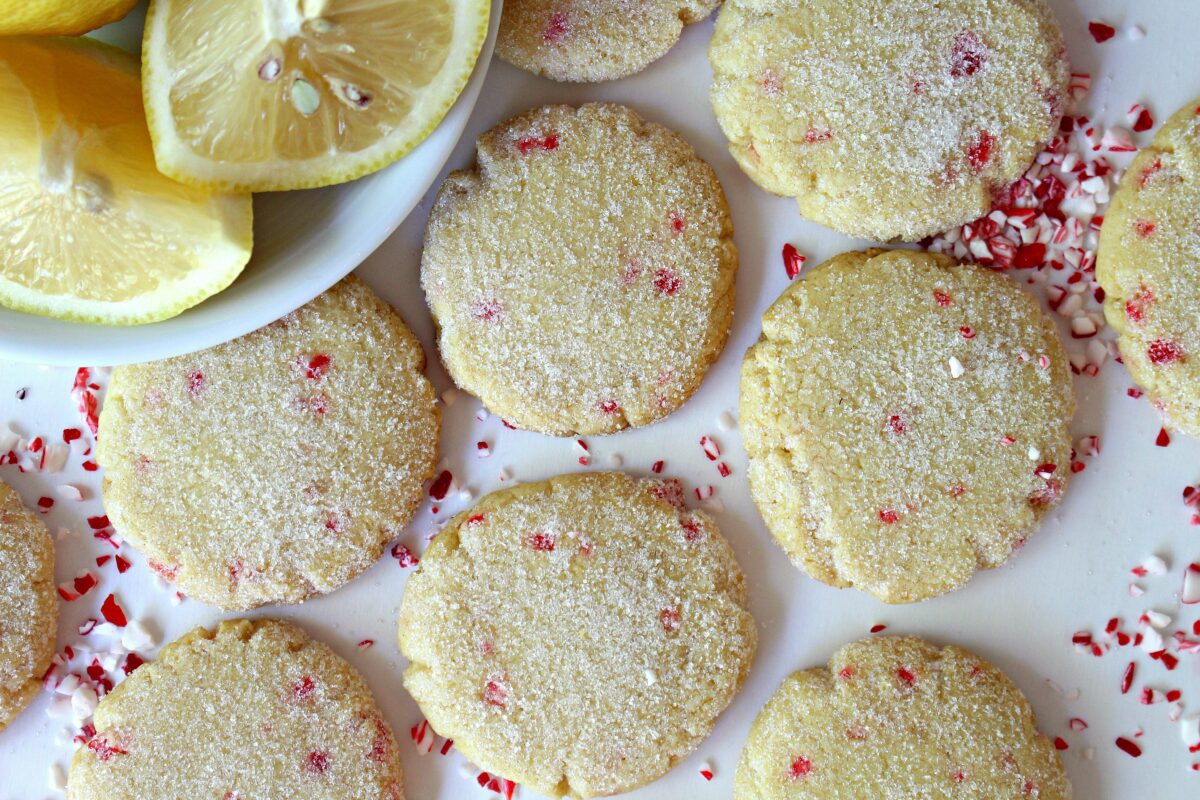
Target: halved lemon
(270,95)
(90,230)
(59,17)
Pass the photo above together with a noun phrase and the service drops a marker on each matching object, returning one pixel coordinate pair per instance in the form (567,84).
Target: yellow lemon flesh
(89,229)
(267,95)
(59,17)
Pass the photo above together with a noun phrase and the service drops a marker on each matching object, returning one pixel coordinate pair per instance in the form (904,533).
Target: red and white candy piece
(1190,593)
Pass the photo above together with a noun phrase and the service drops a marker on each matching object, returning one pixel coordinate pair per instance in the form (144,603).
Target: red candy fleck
(889,516)
(904,674)
(441,485)
(657,467)
(195,383)
(542,542)
(670,619)
(967,332)
(691,530)
(558,26)
(1060,743)
(112,612)
(304,689)
(967,56)
(980,152)
(1127,678)
(814,136)
(793,262)
(1144,228)
(1163,439)
(1162,351)
(1128,747)
(475,520)
(1136,306)
(486,310)
(960,777)
(405,557)
(846,673)
(1144,122)
(317,763)
(1029,256)
(800,767)
(318,367)
(878,628)
(609,407)
(1101,31)
(678,221)
(1150,171)
(528,144)
(897,424)
(494,693)
(942,297)
(104,749)
(666,282)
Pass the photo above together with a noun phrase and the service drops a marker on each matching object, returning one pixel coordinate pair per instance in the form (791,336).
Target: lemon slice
(89,229)
(59,17)
(271,95)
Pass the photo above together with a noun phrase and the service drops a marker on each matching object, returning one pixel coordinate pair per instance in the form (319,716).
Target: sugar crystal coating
(582,275)
(896,718)
(593,40)
(894,119)
(578,636)
(276,466)
(28,607)
(252,709)
(888,451)
(1149,266)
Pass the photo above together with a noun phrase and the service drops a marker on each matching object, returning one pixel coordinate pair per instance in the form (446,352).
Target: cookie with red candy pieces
(1149,266)
(28,607)
(888,119)
(251,710)
(578,636)
(582,275)
(906,421)
(593,40)
(897,717)
(276,466)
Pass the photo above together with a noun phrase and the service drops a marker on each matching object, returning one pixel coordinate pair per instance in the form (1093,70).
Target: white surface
(304,242)
(1072,575)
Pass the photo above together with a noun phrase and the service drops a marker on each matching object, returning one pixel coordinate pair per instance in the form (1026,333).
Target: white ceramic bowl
(304,242)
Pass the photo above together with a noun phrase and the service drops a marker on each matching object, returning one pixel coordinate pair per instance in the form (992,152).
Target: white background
(1072,575)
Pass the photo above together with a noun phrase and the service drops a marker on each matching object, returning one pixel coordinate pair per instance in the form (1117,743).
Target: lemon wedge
(89,229)
(59,17)
(271,95)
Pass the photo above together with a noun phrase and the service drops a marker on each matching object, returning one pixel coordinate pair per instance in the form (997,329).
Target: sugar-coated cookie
(28,606)
(276,466)
(578,636)
(1149,265)
(906,421)
(896,718)
(582,275)
(888,119)
(593,40)
(254,710)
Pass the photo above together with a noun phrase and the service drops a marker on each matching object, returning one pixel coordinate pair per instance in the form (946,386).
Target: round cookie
(897,717)
(255,710)
(888,119)
(905,419)
(1149,266)
(593,40)
(578,636)
(582,276)
(28,606)
(276,466)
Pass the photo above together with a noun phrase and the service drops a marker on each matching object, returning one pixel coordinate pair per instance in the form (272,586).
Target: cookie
(892,119)
(276,466)
(254,710)
(897,717)
(905,419)
(577,636)
(28,607)
(1149,266)
(593,40)
(582,275)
